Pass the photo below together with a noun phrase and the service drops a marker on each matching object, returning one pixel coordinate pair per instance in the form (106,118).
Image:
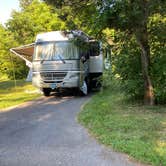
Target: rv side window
(95,49)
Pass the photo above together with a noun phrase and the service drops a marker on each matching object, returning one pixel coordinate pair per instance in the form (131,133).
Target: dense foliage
(127,63)
(157,31)
(7,61)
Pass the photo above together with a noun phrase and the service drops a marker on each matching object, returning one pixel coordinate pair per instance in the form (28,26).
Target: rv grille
(52,76)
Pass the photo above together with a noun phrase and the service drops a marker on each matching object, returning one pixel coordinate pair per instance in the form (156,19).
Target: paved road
(45,132)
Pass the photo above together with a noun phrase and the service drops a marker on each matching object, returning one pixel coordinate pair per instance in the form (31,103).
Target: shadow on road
(71,93)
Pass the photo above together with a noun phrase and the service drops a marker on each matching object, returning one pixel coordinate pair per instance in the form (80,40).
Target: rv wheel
(46,91)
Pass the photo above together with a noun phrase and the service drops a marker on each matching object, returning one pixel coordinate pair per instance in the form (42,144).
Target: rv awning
(24,52)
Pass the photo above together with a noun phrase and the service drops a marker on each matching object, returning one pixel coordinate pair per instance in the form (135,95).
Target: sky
(6,7)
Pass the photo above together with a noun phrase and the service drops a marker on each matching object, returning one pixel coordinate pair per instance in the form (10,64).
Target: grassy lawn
(11,95)
(137,130)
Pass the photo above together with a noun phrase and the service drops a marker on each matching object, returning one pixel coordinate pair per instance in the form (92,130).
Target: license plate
(53,86)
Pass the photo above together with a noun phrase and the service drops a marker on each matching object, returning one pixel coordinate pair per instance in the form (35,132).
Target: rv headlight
(72,75)
(36,75)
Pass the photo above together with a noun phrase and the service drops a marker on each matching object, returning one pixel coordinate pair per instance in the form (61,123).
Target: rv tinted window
(95,49)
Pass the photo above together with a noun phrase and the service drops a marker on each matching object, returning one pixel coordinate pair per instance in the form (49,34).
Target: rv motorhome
(63,59)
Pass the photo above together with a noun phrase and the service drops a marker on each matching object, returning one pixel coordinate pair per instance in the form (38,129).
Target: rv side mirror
(83,59)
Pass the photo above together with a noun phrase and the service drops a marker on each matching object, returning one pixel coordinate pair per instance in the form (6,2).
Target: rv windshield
(56,51)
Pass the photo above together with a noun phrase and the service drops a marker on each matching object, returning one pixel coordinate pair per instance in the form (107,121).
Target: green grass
(11,95)
(137,130)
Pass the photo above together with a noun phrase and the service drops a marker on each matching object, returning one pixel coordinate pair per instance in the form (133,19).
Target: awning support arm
(28,63)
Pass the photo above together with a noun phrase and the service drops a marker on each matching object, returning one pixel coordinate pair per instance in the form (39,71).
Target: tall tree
(35,18)
(129,16)
(77,14)
(132,17)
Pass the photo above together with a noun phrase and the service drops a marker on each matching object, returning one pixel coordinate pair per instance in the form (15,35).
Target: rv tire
(46,91)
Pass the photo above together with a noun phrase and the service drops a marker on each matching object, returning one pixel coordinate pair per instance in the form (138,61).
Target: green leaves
(35,18)
(7,41)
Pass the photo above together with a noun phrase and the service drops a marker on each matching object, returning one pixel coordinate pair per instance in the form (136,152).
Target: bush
(126,61)
(127,65)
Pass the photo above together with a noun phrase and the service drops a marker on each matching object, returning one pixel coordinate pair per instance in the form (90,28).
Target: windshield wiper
(42,61)
(61,59)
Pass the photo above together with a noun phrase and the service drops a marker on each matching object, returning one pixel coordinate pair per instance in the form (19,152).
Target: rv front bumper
(71,80)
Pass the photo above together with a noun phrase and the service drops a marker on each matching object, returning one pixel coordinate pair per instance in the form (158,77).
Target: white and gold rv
(63,59)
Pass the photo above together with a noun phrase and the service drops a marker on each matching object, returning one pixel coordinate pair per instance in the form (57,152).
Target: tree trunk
(142,39)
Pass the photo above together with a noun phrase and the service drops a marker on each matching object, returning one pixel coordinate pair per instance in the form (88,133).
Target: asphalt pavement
(45,132)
